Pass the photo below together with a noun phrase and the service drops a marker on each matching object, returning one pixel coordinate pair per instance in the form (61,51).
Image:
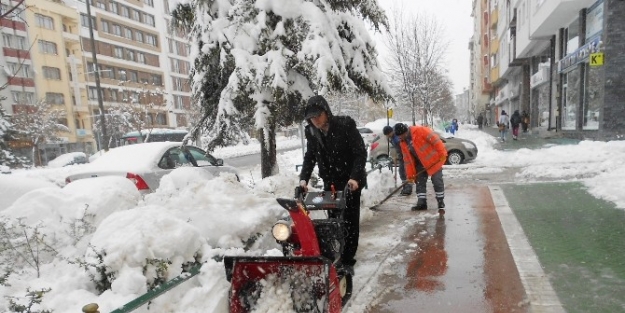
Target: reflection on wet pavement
(429,263)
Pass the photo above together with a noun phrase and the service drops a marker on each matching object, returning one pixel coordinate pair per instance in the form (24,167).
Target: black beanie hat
(387,130)
(400,129)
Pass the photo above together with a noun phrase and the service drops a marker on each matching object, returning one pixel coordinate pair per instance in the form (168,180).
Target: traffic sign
(389,113)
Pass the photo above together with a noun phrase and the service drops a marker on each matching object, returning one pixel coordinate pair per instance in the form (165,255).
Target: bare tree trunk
(268,161)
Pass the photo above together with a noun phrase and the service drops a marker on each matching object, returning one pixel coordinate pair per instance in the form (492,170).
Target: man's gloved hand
(353,184)
(304,185)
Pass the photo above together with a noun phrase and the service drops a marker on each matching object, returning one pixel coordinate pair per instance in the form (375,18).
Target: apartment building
(17,73)
(143,65)
(480,86)
(565,64)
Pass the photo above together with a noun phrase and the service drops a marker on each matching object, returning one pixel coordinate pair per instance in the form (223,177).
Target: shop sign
(19,144)
(582,54)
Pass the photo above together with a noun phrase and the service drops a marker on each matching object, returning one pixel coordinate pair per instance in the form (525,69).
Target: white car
(367,135)
(146,163)
(69,159)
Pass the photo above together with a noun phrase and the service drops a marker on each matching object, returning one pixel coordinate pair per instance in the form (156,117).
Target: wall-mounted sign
(580,55)
(596,59)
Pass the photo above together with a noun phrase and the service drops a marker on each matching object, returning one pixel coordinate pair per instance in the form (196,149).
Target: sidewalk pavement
(534,139)
(577,238)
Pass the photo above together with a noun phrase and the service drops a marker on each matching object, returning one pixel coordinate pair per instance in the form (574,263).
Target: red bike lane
(459,263)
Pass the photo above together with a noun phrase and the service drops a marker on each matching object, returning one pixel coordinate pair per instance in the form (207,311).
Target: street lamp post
(97,78)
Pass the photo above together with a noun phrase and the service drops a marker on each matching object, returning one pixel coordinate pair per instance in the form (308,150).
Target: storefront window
(571,99)
(592,98)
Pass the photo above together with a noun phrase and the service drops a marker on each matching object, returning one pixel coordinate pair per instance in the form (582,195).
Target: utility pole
(96,72)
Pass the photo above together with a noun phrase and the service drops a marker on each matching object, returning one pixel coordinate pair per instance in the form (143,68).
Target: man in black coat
(336,147)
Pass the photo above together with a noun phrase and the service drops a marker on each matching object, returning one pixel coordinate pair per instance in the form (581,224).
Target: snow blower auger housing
(309,277)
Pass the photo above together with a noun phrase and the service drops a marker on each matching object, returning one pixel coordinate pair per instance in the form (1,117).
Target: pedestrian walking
(515,122)
(453,128)
(334,144)
(480,121)
(525,121)
(503,125)
(394,140)
(424,155)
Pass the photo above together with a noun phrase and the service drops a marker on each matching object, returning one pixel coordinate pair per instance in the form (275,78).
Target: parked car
(69,159)
(458,150)
(153,135)
(367,135)
(146,163)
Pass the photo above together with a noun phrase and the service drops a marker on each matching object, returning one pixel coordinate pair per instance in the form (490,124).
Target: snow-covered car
(146,163)
(367,134)
(69,159)
(458,150)
(5,169)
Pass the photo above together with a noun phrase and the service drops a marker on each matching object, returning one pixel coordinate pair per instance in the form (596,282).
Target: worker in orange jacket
(424,155)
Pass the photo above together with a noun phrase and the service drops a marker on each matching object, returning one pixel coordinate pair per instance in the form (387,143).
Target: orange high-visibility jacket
(429,148)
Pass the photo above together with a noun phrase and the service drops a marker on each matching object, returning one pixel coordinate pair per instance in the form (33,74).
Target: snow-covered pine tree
(257,62)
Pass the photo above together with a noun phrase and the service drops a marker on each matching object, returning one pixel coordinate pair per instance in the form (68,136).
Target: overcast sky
(455,15)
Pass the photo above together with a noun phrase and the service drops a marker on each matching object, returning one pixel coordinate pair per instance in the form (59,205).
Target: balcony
(494,18)
(71,37)
(555,14)
(494,46)
(494,74)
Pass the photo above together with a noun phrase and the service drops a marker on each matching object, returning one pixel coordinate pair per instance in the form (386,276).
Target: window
(84,21)
(136,15)
(51,72)
(113,95)
(55,98)
(92,93)
(113,7)
(16,15)
(148,19)
(166,3)
(107,72)
(140,57)
(23,97)
(130,55)
(100,5)
(117,30)
(178,102)
(47,47)
(150,40)
(157,80)
(161,119)
(149,2)
(105,27)
(128,33)
(20,70)
(125,11)
(138,36)
(44,21)
(14,41)
(118,52)
(133,77)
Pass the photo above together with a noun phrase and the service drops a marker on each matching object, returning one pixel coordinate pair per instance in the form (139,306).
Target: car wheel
(455,157)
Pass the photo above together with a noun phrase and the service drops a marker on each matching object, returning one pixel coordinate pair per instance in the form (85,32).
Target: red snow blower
(309,277)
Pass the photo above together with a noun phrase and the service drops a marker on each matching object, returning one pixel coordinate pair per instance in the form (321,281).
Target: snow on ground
(101,234)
